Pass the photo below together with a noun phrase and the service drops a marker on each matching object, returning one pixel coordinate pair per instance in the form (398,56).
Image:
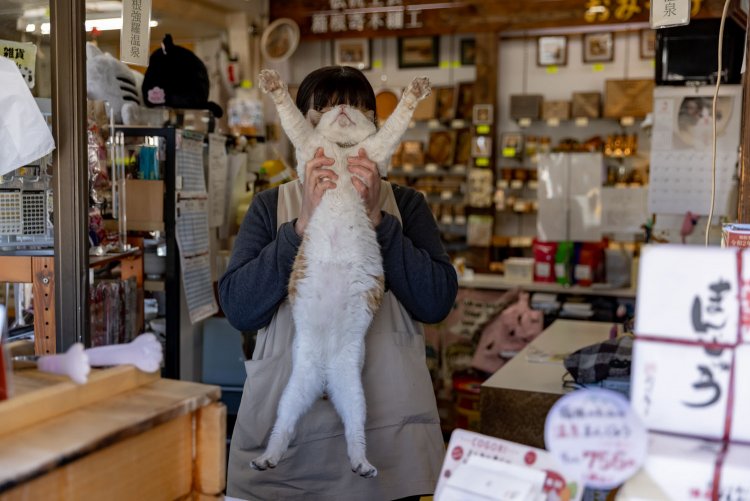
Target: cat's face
(343,124)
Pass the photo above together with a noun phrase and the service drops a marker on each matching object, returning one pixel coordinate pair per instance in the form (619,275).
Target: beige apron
(404,441)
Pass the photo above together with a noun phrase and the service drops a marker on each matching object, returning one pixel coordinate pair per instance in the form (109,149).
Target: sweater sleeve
(417,268)
(256,279)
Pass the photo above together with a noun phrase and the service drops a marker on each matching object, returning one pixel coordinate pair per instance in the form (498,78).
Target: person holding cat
(403,435)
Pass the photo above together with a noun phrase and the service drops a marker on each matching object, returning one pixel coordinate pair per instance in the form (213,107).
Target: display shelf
(96,260)
(419,171)
(452,229)
(438,199)
(499,282)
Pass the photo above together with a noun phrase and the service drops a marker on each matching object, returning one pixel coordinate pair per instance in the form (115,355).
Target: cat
(337,281)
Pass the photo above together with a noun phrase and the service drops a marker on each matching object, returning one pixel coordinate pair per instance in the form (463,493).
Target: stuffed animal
(110,80)
(509,332)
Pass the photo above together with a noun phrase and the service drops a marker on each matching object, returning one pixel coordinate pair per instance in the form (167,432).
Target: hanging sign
(665,13)
(24,55)
(135,32)
(599,11)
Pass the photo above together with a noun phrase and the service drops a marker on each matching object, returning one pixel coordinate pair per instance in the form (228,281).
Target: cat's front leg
(294,123)
(380,146)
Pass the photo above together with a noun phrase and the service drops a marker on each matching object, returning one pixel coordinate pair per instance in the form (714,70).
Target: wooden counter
(515,400)
(123,435)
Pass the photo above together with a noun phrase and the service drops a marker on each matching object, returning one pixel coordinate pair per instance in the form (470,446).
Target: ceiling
(184,19)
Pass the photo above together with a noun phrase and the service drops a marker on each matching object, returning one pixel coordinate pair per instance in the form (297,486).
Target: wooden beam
(743,202)
(188,12)
(15,269)
(45,294)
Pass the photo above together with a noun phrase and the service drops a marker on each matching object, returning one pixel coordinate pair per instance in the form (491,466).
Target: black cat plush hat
(177,78)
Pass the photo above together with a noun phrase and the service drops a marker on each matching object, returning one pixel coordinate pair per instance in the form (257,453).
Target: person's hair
(334,85)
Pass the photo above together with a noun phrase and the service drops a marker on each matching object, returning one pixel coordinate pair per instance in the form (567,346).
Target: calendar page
(681,143)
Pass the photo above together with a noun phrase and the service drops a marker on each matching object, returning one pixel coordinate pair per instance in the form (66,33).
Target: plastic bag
(24,134)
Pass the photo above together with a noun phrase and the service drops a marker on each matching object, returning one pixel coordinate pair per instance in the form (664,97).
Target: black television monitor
(688,54)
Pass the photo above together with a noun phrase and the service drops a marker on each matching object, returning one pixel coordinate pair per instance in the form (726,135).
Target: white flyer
(217,178)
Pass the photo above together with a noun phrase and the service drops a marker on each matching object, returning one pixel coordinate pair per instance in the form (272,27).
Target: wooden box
(559,110)
(123,435)
(586,105)
(628,98)
(526,106)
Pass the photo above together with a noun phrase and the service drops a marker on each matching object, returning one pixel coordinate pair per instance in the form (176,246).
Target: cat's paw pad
(264,462)
(420,87)
(364,469)
(270,81)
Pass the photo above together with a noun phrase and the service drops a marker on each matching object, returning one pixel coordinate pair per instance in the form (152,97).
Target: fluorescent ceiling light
(114,23)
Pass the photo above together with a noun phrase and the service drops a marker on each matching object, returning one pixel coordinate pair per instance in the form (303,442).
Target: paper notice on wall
(136,32)
(680,174)
(189,161)
(217,178)
(24,55)
(195,257)
(624,209)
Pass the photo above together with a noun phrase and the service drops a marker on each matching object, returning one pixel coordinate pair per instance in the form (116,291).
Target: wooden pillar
(70,175)
(485,87)
(743,202)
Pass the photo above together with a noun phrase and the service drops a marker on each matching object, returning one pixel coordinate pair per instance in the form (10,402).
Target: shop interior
(561,142)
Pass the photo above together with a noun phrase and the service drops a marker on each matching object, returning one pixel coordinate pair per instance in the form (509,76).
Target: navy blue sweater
(417,268)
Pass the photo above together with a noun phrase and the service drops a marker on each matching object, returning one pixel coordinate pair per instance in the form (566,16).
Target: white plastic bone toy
(145,352)
(74,363)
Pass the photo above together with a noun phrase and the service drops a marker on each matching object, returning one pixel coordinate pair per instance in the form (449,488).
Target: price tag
(458,123)
(483,129)
(596,433)
(553,122)
(377,63)
(509,152)
(444,65)
(24,55)
(552,69)
(524,122)
(431,167)
(627,121)
(597,67)
(482,162)
(456,64)
(582,122)
(433,123)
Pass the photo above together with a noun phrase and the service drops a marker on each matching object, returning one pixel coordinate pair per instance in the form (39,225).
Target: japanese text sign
(24,55)
(135,33)
(666,13)
(596,433)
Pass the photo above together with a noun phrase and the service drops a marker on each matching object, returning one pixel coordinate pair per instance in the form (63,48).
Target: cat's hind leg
(347,395)
(305,385)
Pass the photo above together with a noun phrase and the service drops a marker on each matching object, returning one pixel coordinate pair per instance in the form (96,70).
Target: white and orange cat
(337,280)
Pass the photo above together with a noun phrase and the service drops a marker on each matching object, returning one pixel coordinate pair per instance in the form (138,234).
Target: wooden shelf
(154,285)
(419,171)
(498,282)
(96,261)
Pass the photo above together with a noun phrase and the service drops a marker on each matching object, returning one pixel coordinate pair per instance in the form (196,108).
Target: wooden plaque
(526,106)
(556,109)
(586,105)
(628,98)
(427,108)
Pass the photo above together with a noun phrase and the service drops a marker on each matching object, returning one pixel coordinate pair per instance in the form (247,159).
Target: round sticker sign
(597,433)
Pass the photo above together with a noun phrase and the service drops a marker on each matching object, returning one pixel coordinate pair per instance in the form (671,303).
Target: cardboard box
(144,204)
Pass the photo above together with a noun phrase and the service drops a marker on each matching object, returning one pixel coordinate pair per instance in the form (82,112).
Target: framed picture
(552,50)
(418,52)
(465,101)
(598,47)
(648,43)
(411,153)
(468,51)
(482,114)
(512,144)
(441,147)
(481,146)
(446,103)
(352,52)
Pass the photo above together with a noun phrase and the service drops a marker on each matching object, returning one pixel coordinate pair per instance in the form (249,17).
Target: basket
(25,211)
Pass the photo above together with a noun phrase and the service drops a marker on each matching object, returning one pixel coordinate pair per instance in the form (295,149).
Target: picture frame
(467,51)
(465,101)
(647,43)
(552,50)
(446,103)
(354,52)
(482,114)
(481,146)
(441,147)
(418,52)
(511,144)
(598,47)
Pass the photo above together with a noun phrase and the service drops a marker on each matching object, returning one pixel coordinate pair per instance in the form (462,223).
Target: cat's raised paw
(269,80)
(420,87)
(364,469)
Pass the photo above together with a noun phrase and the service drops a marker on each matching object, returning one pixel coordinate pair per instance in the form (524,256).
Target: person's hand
(366,180)
(318,179)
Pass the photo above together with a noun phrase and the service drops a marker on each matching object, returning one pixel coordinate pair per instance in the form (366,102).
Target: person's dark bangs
(346,89)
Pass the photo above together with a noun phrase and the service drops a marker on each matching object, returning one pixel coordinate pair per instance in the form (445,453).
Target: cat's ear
(313,116)
(371,115)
